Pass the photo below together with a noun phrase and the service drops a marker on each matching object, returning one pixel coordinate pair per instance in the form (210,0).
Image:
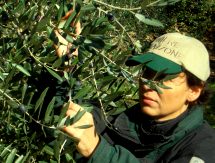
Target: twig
(9,97)
(43,64)
(61,148)
(38,122)
(99,97)
(152,4)
(113,62)
(99,70)
(17,101)
(123,28)
(118,8)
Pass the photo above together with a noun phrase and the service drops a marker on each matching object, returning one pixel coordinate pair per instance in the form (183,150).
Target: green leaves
(154,85)
(72,120)
(10,155)
(22,69)
(147,21)
(48,150)
(71,17)
(5,150)
(41,83)
(54,74)
(42,24)
(88,7)
(62,117)
(49,110)
(19,159)
(163,2)
(170,77)
(83,126)
(96,41)
(40,101)
(82,92)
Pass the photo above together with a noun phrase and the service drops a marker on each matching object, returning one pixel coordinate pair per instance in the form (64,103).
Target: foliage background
(36,84)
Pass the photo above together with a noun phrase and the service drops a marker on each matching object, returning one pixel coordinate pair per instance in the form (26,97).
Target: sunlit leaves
(19,159)
(2,76)
(147,21)
(48,150)
(5,151)
(163,2)
(20,8)
(10,155)
(88,7)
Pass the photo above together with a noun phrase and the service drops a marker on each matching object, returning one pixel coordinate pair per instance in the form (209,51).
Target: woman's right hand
(88,138)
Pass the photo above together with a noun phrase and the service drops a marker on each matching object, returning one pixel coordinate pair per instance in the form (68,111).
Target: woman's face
(171,102)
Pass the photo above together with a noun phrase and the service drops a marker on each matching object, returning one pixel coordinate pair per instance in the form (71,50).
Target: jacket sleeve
(107,153)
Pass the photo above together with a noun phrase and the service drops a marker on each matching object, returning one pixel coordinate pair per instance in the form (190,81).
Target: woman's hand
(88,138)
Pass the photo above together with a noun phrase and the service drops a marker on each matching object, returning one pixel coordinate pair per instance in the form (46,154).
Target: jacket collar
(189,123)
(130,125)
(153,132)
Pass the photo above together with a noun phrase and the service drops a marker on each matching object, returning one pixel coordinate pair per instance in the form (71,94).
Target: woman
(167,125)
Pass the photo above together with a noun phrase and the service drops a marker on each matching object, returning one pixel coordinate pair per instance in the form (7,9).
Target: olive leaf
(161,85)
(77,117)
(22,69)
(154,85)
(157,89)
(169,77)
(83,126)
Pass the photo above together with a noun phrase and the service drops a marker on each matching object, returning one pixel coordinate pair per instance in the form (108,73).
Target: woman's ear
(194,93)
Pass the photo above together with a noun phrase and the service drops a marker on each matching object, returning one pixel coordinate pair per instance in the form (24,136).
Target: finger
(78,28)
(77,25)
(71,131)
(71,113)
(74,107)
(60,38)
(75,53)
(67,14)
(60,50)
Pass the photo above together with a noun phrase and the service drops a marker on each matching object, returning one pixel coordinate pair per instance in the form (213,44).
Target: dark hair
(205,95)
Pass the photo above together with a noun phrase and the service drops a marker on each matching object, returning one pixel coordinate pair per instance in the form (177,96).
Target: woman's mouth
(147,100)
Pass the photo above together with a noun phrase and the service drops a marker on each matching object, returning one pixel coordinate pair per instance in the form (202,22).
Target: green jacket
(135,138)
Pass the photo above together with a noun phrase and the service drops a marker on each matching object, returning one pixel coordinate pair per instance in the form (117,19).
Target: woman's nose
(145,87)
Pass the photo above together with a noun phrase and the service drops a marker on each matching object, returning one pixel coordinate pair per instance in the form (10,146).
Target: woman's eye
(151,75)
(160,77)
(148,74)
